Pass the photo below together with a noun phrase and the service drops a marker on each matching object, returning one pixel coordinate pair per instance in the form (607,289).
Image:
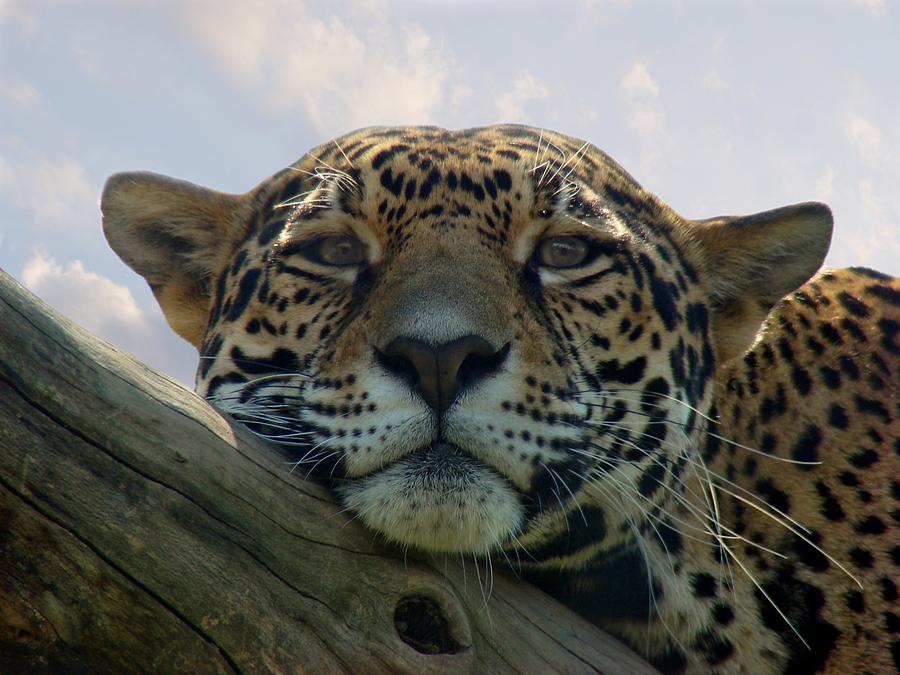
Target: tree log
(141,531)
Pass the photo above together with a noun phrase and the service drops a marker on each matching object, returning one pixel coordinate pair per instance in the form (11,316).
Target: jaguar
(494,342)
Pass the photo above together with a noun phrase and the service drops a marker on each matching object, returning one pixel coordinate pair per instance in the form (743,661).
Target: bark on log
(140,531)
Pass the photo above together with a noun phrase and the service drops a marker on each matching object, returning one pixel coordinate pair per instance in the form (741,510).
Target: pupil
(565,250)
(341,250)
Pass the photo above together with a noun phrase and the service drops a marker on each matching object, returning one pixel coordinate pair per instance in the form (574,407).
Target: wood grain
(140,531)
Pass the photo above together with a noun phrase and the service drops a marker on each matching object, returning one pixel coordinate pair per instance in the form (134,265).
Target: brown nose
(440,372)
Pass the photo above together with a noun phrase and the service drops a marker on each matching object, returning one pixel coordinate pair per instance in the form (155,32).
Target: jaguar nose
(439,373)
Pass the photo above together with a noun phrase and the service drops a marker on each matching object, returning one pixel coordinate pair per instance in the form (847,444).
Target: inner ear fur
(176,235)
(751,262)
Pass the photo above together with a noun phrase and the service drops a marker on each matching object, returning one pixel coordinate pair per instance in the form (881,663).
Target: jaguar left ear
(754,261)
(176,235)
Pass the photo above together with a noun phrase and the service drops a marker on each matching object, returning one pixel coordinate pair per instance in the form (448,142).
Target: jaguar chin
(437,499)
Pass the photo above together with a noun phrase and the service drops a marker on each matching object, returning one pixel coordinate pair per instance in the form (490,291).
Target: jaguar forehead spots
(495,342)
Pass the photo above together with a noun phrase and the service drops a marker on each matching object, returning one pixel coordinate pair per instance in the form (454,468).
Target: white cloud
(240,36)
(343,71)
(20,93)
(6,173)
(872,207)
(91,300)
(111,311)
(643,113)
(588,5)
(713,81)
(51,191)
(14,12)
(869,231)
(525,88)
(638,81)
(645,120)
(873,7)
(825,184)
(865,136)
(593,8)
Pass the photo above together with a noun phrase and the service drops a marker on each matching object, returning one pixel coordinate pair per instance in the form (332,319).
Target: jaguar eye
(339,250)
(564,251)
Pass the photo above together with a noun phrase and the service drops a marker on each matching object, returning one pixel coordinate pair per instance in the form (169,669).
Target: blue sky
(717,107)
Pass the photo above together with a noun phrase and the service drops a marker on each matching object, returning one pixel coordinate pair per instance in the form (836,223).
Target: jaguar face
(485,339)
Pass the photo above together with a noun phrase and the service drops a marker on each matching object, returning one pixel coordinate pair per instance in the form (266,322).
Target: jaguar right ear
(176,235)
(754,261)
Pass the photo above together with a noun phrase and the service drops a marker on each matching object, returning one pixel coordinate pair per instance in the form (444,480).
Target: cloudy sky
(717,107)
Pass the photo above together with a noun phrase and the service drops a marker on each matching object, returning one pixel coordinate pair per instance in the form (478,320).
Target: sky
(716,107)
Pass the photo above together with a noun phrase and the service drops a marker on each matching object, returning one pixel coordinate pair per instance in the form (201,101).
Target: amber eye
(565,251)
(339,249)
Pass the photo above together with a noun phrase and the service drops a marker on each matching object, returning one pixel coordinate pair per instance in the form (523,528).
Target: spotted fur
(682,436)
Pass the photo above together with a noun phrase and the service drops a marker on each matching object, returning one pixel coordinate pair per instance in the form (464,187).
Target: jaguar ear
(177,236)
(754,261)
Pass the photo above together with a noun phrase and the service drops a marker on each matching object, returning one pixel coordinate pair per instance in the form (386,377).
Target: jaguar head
(485,339)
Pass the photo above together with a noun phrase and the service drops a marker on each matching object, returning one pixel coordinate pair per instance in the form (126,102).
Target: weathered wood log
(140,531)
